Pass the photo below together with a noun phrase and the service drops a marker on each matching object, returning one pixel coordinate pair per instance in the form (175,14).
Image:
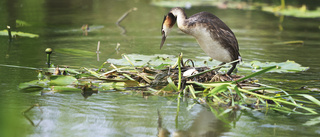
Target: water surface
(121,114)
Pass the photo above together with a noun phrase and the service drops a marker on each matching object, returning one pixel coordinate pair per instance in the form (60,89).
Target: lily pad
(112,86)
(159,60)
(288,66)
(62,80)
(142,60)
(64,89)
(31,86)
(57,84)
(19,33)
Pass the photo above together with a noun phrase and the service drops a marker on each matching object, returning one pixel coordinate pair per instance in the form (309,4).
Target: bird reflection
(88,90)
(205,124)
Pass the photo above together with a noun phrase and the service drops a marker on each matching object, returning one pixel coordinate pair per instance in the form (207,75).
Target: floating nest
(161,76)
(203,84)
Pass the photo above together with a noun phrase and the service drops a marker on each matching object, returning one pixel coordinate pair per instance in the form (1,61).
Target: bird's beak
(168,21)
(163,39)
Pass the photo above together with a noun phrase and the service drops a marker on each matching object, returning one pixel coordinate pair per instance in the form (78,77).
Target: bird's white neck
(181,17)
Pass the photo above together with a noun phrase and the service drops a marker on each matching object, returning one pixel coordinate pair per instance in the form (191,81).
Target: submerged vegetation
(202,84)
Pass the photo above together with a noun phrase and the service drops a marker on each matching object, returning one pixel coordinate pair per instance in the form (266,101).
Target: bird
(213,36)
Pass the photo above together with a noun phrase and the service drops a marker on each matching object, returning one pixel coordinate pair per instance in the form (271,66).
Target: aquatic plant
(202,84)
(8,32)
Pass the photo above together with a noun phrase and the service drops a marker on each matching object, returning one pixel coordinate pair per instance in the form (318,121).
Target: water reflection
(124,31)
(106,114)
(32,122)
(88,91)
(204,124)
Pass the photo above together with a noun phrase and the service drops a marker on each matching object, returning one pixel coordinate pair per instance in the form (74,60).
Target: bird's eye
(162,32)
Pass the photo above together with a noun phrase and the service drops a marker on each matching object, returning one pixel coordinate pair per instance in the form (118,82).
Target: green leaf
(198,84)
(311,98)
(93,73)
(112,86)
(255,74)
(171,83)
(238,93)
(159,61)
(219,89)
(311,110)
(31,86)
(21,34)
(141,60)
(192,92)
(65,89)
(288,66)
(162,66)
(69,70)
(62,80)
(225,112)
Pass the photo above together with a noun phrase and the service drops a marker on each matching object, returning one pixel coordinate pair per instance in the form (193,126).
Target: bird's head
(168,21)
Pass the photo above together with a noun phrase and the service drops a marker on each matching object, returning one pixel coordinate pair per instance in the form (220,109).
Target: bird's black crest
(170,19)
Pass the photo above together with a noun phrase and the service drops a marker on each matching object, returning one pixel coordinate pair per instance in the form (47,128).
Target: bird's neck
(181,21)
(181,18)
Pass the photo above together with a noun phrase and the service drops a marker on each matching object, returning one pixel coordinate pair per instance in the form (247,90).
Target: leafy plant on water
(227,92)
(241,93)
(13,34)
(18,33)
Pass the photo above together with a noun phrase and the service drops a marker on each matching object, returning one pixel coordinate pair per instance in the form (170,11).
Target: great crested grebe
(214,37)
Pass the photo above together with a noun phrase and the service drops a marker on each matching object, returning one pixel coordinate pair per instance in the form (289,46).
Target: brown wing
(219,30)
(230,42)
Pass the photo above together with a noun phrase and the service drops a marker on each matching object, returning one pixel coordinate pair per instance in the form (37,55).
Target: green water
(119,114)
